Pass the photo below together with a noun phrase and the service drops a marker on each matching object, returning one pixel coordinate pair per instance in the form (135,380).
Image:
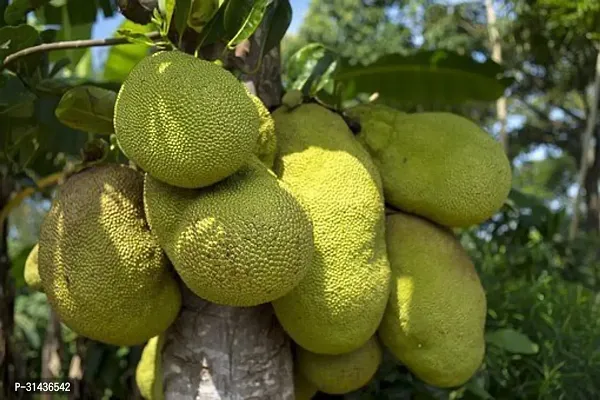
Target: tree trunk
(231,353)
(8,370)
(52,354)
(496,48)
(592,195)
(586,143)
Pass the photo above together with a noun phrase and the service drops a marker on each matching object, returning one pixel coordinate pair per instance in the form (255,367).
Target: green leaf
(201,12)
(180,16)
(15,38)
(166,8)
(15,100)
(310,68)
(88,108)
(511,341)
(242,17)
(18,10)
(427,78)
(278,20)
(121,59)
(79,32)
(58,66)
(215,29)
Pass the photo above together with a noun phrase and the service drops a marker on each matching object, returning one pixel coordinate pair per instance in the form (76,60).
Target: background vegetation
(539,258)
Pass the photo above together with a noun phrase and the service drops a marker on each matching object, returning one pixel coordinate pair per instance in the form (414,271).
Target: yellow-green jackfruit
(102,269)
(435,164)
(339,304)
(185,121)
(241,242)
(342,373)
(303,388)
(435,318)
(148,373)
(31,272)
(266,146)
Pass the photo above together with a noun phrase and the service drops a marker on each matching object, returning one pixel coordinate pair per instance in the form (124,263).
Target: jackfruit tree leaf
(180,15)
(15,38)
(27,326)
(79,32)
(242,17)
(427,78)
(201,13)
(88,108)
(310,68)
(511,341)
(166,8)
(477,386)
(277,21)
(121,59)
(58,66)
(215,28)
(18,267)
(18,9)
(15,100)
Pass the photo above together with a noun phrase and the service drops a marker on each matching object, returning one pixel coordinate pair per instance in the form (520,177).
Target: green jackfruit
(101,268)
(303,389)
(31,272)
(339,304)
(343,373)
(185,121)
(148,373)
(242,242)
(435,164)
(266,146)
(435,318)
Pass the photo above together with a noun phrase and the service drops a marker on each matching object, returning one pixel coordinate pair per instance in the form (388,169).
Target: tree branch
(71,44)
(586,142)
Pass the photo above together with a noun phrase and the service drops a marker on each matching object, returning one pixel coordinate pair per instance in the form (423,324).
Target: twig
(71,44)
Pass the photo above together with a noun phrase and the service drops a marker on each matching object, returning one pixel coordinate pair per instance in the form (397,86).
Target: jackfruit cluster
(244,206)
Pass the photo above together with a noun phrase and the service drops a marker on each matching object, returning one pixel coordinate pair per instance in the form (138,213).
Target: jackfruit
(101,268)
(242,242)
(185,121)
(148,373)
(435,318)
(343,373)
(435,164)
(303,389)
(337,307)
(266,145)
(31,272)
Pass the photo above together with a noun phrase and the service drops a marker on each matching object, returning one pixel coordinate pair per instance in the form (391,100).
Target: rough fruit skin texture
(242,242)
(339,304)
(148,373)
(31,272)
(435,164)
(185,121)
(343,373)
(266,146)
(435,319)
(101,268)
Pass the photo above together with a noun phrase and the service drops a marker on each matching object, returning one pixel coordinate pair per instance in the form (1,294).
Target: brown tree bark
(52,353)
(231,353)
(8,370)
(592,194)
